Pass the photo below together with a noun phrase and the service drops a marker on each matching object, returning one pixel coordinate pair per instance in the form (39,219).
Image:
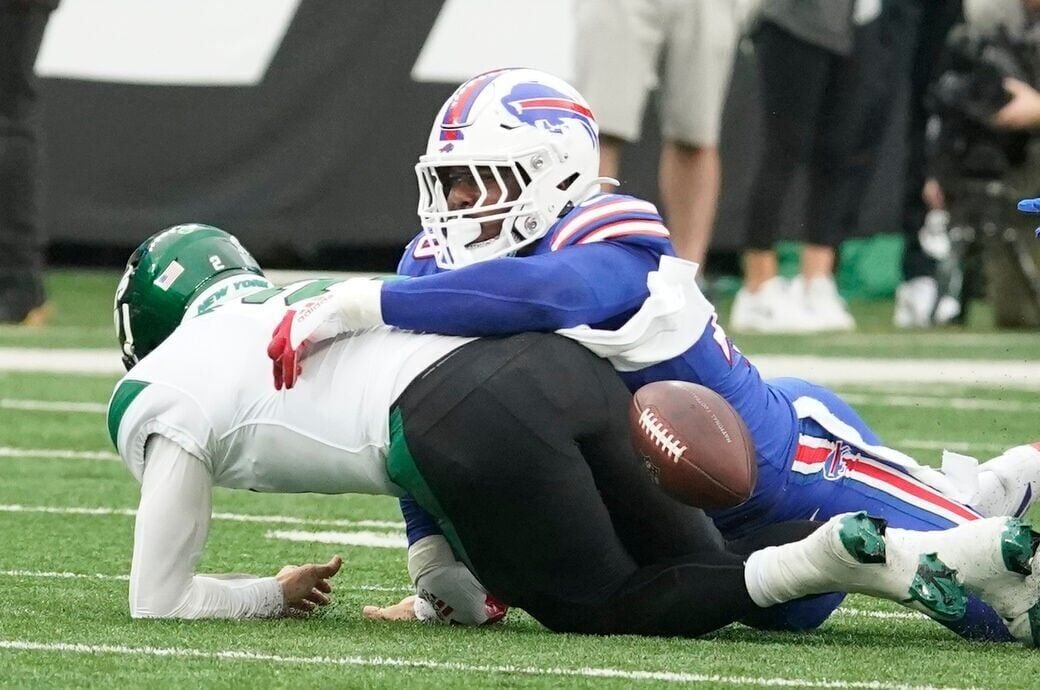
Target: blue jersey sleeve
(417,259)
(417,522)
(599,284)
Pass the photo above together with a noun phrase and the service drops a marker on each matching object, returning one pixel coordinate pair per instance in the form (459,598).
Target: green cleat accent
(863,537)
(1017,546)
(936,589)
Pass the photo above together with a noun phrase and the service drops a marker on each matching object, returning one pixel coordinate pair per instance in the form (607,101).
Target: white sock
(777,574)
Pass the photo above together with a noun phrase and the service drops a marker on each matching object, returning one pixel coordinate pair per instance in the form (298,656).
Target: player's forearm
(542,293)
(169,536)
(447,591)
(210,597)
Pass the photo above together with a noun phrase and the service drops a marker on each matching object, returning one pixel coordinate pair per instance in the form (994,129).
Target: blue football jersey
(590,268)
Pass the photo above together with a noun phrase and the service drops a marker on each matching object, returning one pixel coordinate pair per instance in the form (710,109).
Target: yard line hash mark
(457,667)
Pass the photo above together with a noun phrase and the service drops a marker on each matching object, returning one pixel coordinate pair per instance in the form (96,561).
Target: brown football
(694,444)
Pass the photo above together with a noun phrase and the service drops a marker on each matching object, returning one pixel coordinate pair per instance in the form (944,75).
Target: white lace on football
(661,435)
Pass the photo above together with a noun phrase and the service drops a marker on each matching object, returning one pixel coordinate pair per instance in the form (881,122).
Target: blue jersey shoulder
(606,217)
(418,258)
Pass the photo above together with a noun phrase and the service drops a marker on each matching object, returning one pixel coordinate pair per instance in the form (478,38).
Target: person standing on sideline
(825,72)
(22,296)
(618,51)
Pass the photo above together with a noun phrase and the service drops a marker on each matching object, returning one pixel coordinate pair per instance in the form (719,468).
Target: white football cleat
(995,559)
(851,553)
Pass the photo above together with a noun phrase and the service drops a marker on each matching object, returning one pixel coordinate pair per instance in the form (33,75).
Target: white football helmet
(517,129)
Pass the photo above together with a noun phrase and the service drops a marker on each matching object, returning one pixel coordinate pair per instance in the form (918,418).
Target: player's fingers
(329,569)
(277,370)
(324,586)
(317,597)
(276,346)
(372,613)
(303,605)
(289,368)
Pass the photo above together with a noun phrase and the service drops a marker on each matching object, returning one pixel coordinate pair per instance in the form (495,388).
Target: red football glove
(285,359)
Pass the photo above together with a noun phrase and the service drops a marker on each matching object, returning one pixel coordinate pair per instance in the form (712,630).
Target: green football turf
(66,534)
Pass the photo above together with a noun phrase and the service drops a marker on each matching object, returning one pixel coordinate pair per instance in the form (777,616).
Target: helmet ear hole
(567,182)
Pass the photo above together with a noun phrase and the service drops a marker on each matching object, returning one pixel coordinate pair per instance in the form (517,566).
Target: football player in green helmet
(176,274)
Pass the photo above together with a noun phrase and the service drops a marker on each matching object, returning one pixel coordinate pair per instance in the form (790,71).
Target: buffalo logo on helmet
(539,105)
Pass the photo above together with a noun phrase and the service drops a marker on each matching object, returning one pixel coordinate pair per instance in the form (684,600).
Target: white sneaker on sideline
(828,310)
(915,303)
(773,308)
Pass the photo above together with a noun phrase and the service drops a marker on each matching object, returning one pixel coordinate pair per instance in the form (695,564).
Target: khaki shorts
(618,51)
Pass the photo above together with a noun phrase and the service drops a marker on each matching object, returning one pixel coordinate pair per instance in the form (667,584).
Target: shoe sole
(934,590)
(935,587)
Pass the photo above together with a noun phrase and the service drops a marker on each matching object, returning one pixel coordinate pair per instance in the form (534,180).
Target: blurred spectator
(619,62)
(22,297)
(826,75)
(917,298)
(928,296)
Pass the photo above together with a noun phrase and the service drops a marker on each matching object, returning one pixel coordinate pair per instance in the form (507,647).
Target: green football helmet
(179,273)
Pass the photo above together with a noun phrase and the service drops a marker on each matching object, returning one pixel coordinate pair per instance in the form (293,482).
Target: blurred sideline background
(295,124)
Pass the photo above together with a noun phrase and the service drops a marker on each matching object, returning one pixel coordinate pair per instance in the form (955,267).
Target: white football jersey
(209,388)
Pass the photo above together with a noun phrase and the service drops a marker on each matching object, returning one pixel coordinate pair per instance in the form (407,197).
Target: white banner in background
(186,42)
(474,36)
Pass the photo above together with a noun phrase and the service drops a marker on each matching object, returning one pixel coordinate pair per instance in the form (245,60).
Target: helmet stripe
(556,104)
(461,104)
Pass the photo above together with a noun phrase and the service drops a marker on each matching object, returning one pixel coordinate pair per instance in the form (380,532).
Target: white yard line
(52,406)
(848,612)
(939,402)
(61,575)
(828,370)
(851,370)
(57,453)
(370,539)
(230,517)
(458,667)
(955,446)
(85,361)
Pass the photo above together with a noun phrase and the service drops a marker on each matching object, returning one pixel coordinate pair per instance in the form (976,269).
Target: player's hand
(314,320)
(348,306)
(285,359)
(932,194)
(305,587)
(404,610)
